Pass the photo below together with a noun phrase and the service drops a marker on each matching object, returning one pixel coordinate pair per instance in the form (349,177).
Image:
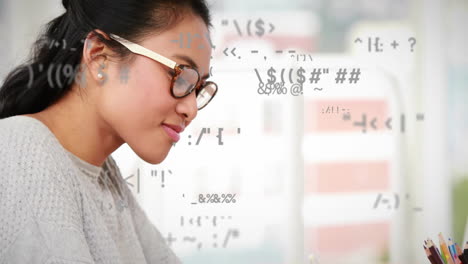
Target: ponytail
(33,86)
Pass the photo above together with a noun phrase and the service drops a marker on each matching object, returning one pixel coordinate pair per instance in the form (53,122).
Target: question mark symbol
(413,42)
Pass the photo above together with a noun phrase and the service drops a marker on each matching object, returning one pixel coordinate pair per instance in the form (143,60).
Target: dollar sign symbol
(300,76)
(260,30)
(271,74)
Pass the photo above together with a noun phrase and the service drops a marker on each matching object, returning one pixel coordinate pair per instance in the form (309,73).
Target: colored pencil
(451,248)
(429,255)
(458,249)
(453,252)
(434,252)
(445,250)
(446,253)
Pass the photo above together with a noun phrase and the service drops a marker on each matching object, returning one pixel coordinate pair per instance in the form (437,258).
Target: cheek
(136,109)
(147,91)
(139,102)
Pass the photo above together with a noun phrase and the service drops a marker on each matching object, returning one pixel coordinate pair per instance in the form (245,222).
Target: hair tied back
(65,3)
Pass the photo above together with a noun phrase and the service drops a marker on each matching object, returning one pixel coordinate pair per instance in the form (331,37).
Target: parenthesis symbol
(31,73)
(49,75)
(397,201)
(57,75)
(282,78)
(290,78)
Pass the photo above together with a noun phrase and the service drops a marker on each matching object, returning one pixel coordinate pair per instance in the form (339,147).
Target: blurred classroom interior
(349,172)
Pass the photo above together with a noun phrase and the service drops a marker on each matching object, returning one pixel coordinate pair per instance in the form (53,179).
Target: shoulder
(29,151)
(27,143)
(23,138)
(36,179)
(37,182)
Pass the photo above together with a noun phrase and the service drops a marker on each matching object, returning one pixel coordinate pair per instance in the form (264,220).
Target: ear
(95,56)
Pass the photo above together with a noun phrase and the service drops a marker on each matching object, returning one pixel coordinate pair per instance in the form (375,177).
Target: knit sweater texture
(56,208)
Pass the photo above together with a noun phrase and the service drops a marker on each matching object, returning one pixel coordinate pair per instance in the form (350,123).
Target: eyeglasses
(185,79)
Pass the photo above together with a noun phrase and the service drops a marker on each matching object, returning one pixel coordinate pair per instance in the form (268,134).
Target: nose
(187,107)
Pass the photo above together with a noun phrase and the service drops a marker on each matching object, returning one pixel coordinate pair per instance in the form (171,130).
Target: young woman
(105,73)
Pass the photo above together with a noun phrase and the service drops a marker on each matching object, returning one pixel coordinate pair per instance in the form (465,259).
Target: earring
(102,75)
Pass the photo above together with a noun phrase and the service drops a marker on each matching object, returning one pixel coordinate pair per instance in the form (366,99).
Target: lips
(177,129)
(172,131)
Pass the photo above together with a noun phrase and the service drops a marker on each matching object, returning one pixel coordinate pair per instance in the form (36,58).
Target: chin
(154,158)
(151,155)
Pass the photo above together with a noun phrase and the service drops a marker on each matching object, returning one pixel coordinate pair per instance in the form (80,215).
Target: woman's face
(136,99)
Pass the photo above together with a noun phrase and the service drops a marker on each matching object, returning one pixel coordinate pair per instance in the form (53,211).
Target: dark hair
(28,88)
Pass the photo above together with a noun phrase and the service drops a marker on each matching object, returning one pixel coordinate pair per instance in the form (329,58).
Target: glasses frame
(178,68)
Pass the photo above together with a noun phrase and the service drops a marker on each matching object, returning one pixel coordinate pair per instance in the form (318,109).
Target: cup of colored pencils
(450,253)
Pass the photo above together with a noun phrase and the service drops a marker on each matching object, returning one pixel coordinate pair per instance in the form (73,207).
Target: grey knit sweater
(56,208)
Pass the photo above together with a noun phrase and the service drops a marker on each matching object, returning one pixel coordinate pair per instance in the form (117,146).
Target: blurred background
(357,157)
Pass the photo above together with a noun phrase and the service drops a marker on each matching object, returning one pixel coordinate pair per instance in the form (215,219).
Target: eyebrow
(191,63)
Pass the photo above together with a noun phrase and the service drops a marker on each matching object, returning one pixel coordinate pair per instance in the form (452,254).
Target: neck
(79,128)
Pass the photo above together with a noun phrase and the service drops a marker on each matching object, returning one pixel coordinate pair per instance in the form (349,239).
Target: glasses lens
(185,82)
(205,94)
